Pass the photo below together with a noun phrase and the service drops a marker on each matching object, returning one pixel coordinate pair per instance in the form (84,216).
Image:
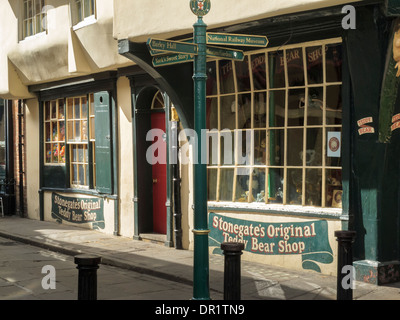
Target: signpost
(197,50)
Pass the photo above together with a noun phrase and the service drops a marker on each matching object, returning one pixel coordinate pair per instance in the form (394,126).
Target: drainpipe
(176,179)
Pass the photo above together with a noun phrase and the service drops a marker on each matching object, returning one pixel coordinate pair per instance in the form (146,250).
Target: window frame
(88,143)
(37,19)
(324,167)
(86,19)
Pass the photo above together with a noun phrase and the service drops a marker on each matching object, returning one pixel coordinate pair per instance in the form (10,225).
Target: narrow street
(21,278)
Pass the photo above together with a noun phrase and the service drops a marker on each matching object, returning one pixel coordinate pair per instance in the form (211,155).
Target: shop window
(277,119)
(69,132)
(34,16)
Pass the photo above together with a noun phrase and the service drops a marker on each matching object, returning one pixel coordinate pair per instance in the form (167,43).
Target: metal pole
(201,289)
(232,283)
(87,277)
(345,240)
(176,179)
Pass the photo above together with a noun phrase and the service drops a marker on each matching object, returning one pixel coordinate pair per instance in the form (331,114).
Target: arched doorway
(151,163)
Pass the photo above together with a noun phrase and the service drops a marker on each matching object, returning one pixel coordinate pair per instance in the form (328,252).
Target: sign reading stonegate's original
(308,239)
(78,210)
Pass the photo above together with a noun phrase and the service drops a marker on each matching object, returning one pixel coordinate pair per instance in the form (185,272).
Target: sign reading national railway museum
(308,239)
(78,210)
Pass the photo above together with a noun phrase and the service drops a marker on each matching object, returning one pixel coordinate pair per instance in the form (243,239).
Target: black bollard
(345,241)
(232,252)
(87,277)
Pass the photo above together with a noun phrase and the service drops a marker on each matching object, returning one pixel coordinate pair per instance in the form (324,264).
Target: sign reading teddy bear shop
(78,210)
(308,239)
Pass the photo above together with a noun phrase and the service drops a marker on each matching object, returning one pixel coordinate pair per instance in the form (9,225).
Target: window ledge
(33,37)
(85,22)
(279,209)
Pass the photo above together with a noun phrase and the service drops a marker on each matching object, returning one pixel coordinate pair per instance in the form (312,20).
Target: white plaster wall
(160,18)
(32,157)
(125,157)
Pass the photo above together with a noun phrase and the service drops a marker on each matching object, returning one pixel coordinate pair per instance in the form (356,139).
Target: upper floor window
(34,16)
(84,9)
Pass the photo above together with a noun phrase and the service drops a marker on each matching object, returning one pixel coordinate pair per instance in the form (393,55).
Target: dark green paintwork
(103,143)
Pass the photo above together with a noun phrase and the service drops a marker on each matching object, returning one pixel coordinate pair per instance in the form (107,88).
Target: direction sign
(236,39)
(172,46)
(224,53)
(166,60)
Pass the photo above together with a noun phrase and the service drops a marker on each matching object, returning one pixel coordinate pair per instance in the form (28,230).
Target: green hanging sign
(236,39)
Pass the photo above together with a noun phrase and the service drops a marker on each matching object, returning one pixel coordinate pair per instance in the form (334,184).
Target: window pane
(77,108)
(61,109)
(294,147)
(77,132)
(315,106)
(48,153)
(213,147)
(226,185)
(259,71)
(313,187)
(242,184)
(226,77)
(84,130)
(294,58)
(211,78)
(244,148)
(62,131)
(258,185)
(244,111)
(294,186)
(334,105)
(260,110)
(87,8)
(79,10)
(227,140)
(314,65)
(70,130)
(82,180)
(62,153)
(242,75)
(334,63)
(228,112)
(275,187)
(296,107)
(334,188)
(276,70)
(47,131)
(54,134)
(212,184)
(260,147)
(276,147)
(84,108)
(55,150)
(74,174)
(314,147)
(212,113)
(277,108)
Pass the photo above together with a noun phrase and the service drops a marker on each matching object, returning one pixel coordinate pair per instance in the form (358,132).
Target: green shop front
(301,141)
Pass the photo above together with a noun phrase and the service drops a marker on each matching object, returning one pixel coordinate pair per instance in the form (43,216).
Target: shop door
(159,173)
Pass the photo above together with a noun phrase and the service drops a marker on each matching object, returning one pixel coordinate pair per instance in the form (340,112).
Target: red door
(159,178)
